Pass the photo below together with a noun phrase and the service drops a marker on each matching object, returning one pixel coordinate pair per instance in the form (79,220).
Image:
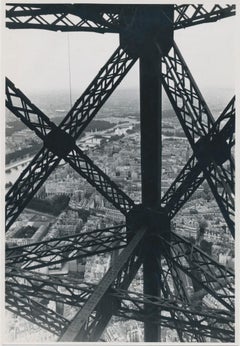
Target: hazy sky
(38,59)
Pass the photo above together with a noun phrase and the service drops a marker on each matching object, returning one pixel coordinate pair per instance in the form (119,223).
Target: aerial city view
(67,211)
(66,205)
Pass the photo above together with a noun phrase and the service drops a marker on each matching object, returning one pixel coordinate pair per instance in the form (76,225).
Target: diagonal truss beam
(64,249)
(67,290)
(197,123)
(191,176)
(186,183)
(188,258)
(59,289)
(169,319)
(98,179)
(74,123)
(213,277)
(74,331)
(96,323)
(109,305)
(190,15)
(184,255)
(35,312)
(29,181)
(174,288)
(63,145)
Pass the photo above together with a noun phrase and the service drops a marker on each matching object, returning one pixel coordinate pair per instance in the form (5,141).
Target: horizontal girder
(64,249)
(35,312)
(186,255)
(102,18)
(199,328)
(190,15)
(70,17)
(74,292)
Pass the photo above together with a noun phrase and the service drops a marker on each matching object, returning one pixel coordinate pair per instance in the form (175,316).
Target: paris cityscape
(66,205)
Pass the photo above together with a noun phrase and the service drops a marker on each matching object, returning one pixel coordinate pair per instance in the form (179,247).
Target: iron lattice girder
(71,17)
(95,325)
(179,293)
(83,111)
(64,249)
(186,183)
(101,18)
(108,305)
(220,280)
(185,325)
(132,302)
(191,176)
(183,255)
(97,93)
(104,297)
(197,122)
(189,15)
(63,145)
(55,323)
(129,264)
(187,101)
(175,316)
(74,330)
(31,284)
(36,313)
(30,180)
(97,178)
(213,277)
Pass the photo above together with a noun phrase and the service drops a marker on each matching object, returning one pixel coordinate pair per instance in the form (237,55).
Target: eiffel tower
(146,33)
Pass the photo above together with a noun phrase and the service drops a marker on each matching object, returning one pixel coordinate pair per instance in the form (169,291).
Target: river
(15,169)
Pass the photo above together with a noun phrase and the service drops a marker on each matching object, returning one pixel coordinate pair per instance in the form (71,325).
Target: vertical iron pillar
(151,155)
(144,26)
(151,124)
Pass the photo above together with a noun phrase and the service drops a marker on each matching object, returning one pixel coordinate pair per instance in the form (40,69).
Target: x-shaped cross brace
(192,113)
(190,108)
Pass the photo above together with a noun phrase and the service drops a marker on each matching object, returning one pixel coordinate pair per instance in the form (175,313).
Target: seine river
(14,170)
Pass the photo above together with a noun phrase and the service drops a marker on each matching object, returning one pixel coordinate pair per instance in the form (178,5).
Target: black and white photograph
(119,137)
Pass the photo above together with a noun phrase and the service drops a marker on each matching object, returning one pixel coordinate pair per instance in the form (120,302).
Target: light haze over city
(37,60)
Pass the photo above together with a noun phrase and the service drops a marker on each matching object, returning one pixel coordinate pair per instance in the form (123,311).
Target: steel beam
(64,249)
(63,145)
(191,15)
(83,111)
(110,304)
(195,117)
(74,330)
(191,176)
(75,292)
(197,123)
(102,18)
(63,17)
(35,312)
(165,320)
(151,155)
(213,277)
(171,274)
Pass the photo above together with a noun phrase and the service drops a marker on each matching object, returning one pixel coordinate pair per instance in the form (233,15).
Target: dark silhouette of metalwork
(146,33)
